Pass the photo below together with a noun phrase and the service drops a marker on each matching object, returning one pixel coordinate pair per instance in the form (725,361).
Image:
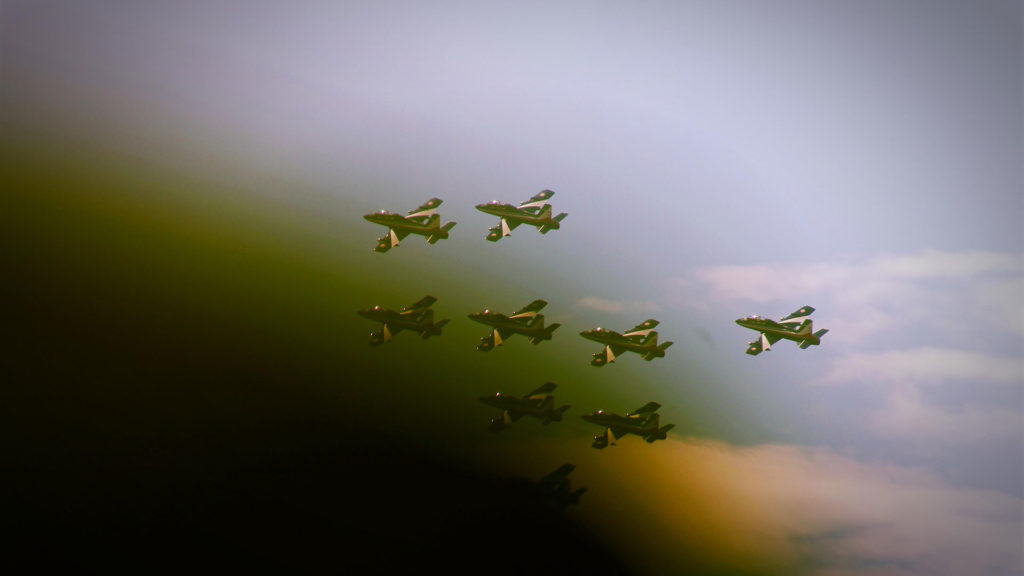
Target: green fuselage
(413,225)
(395,321)
(511,213)
(631,343)
(507,325)
(640,424)
(773,328)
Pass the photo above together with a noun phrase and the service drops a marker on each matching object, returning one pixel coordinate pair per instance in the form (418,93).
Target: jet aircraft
(539,404)
(536,212)
(556,487)
(422,221)
(417,317)
(797,327)
(641,339)
(644,422)
(526,321)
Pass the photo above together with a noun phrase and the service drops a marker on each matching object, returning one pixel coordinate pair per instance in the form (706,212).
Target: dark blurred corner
(166,409)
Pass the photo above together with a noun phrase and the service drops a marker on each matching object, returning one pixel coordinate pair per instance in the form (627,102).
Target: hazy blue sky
(716,159)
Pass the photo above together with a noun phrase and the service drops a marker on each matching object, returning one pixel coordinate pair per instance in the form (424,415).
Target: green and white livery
(797,327)
(535,212)
(644,422)
(422,221)
(416,317)
(641,339)
(527,321)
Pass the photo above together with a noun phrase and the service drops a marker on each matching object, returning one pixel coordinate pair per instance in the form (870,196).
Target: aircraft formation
(527,321)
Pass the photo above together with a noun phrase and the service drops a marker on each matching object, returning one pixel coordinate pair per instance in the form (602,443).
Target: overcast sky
(716,159)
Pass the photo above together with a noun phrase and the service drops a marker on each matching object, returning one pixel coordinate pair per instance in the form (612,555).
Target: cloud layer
(818,512)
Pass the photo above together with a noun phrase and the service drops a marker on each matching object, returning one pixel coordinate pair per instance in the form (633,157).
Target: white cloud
(900,376)
(908,416)
(617,306)
(814,511)
(926,366)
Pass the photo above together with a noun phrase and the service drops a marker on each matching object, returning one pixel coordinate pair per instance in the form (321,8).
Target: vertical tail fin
(658,352)
(434,329)
(814,340)
(439,232)
(555,416)
(547,333)
(806,327)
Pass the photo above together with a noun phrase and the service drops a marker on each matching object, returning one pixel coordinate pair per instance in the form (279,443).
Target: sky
(193,175)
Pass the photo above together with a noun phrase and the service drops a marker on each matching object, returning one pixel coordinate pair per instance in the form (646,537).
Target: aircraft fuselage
(504,323)
(411,321)
(784,331)
(524,405)
(523,216)
(417,225)
(633,343)
(641,424)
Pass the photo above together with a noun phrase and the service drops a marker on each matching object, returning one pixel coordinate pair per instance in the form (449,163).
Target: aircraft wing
(383,335)
(546,388)
(642,329)
(538,200)
(422,303)
(512,415)
(608,354)
(495,338)
(618,432)
(390,240)
(530,309)
(649,407)
(504,228)
(797,316)
(761,344)
(426,209)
